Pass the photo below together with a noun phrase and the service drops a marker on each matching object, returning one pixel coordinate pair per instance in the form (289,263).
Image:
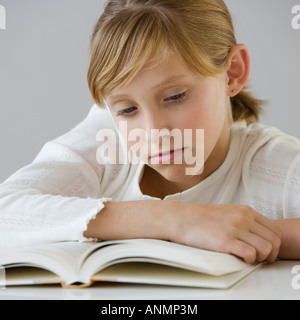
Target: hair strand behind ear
(246,107)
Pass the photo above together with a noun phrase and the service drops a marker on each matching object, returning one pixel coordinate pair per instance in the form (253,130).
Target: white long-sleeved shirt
(54,198)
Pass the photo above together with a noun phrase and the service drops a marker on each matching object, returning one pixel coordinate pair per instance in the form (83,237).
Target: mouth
(166,157)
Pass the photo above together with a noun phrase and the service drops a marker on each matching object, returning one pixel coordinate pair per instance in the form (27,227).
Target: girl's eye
(173,99)
(127,112)
(177,98)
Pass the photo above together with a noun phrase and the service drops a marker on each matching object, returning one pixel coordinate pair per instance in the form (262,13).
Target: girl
(171,66)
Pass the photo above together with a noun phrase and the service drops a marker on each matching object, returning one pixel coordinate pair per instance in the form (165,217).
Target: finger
(242,250)
(270,237)
(267,223)
(273,256)
(262,247)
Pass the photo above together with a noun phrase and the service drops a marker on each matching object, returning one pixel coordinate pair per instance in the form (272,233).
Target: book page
(162,252)
(149,273)
(62,258)
(78,262)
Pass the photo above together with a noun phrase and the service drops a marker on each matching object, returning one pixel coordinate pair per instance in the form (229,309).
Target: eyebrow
(161,84)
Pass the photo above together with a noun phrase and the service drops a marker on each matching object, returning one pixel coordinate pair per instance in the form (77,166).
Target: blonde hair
(130,33)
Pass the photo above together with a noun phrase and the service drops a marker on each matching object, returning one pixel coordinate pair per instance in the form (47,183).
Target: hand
(232,229)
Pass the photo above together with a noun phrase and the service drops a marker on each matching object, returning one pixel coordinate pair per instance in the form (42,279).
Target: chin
(172,173)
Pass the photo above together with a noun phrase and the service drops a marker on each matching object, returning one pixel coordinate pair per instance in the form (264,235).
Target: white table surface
(271,282)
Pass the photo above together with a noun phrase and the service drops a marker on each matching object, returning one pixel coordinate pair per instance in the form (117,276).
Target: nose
(157,126)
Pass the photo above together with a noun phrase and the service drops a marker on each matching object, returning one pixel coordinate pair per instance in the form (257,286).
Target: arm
(54,197)
(290,230)
(237,230)
(130,220)
(47,201)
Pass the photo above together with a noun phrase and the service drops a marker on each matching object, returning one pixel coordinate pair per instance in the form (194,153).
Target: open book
(130,261)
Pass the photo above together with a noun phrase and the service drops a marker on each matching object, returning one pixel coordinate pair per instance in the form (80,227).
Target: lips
(166,157)
(162,154)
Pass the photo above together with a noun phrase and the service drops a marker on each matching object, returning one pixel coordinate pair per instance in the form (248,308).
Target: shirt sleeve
(272,175)
(54,198)
(291,197)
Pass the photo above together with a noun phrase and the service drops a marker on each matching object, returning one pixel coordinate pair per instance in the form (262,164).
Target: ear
(238,69)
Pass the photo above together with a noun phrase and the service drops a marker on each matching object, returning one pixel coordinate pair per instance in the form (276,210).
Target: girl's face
(170,96)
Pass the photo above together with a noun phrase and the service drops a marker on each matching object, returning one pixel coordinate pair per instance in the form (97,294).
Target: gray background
(44,56)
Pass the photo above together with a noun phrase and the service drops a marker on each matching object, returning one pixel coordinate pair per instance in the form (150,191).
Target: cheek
(214,126)
(210,116)
(129,131)
(135,138)
(212,104)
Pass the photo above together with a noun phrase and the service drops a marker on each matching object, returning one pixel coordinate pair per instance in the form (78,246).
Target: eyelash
(174,99)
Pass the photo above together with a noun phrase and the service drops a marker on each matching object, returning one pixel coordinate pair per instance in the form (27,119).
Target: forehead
(156,74)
